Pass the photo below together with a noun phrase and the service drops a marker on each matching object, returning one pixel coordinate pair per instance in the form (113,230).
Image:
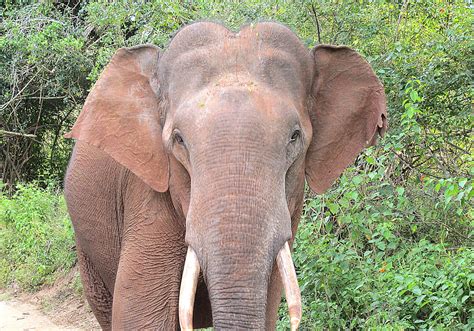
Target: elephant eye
(296,134)
(178,138)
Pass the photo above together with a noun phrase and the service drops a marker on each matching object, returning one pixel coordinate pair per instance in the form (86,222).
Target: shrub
(420,285)
(36,237)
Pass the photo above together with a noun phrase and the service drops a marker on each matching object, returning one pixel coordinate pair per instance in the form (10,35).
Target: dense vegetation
(390,244)
(36,242)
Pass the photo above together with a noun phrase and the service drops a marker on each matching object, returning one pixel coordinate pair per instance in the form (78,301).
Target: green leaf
(419,299)
(414,96)
(416,290)
(400,190)
(333,207)
(462,182)
(380,245)
(357,179)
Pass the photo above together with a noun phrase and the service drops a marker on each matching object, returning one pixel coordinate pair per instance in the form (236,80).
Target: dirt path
(15,315)
(56,307)
(25,314)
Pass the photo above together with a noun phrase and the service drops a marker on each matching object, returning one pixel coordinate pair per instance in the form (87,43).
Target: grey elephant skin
(208,144)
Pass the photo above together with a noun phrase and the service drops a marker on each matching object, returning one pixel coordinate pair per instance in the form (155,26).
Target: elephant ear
(121,115)
(347,115)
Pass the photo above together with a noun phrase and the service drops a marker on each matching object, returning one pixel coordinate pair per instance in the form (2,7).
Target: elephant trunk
(235,237)
(190,279)
(237,281)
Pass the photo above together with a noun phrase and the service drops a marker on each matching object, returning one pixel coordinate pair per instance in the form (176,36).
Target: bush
(43,82)
(420,285)
(36,237)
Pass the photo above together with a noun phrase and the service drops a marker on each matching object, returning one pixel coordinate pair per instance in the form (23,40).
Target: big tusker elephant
(195,159)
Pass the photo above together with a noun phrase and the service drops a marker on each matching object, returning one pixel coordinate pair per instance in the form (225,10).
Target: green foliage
(387,283)
(43,82)
(371,252)
(36,237)
(385,250)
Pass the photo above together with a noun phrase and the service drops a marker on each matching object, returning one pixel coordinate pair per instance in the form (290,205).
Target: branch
(411,166)
(400,16)
(5,105)
(457,147)
(47,98)
(17,134)
(317,22)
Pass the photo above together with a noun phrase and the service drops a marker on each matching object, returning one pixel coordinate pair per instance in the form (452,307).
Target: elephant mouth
(190,279)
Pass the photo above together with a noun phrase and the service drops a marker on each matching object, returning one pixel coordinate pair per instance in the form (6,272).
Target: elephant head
(231,124)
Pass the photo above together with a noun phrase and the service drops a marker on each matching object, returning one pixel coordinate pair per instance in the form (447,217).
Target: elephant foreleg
(97,294)
(151,260)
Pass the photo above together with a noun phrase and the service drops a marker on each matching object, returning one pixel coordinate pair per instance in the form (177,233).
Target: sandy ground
(55,307)
(15,315)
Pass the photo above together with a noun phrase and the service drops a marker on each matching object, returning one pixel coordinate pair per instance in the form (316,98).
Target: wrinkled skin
(208,144)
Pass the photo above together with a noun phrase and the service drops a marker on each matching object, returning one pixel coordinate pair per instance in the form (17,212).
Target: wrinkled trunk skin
(237,227)
(238,216)
(237,284)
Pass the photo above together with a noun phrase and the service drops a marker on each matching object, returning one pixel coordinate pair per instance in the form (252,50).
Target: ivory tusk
(187,291)
(290,284)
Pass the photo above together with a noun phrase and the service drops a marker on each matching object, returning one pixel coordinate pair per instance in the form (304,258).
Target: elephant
(187,179)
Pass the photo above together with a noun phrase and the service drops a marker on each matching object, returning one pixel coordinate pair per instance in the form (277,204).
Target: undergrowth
(36,237)
(370,255)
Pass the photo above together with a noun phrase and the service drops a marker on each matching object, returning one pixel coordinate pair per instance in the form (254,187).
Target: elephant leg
(97,294)
(94,205)
(151,261)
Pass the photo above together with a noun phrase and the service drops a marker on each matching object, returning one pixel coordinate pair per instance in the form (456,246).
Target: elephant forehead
(244,96)
(236,114)
(269,53)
